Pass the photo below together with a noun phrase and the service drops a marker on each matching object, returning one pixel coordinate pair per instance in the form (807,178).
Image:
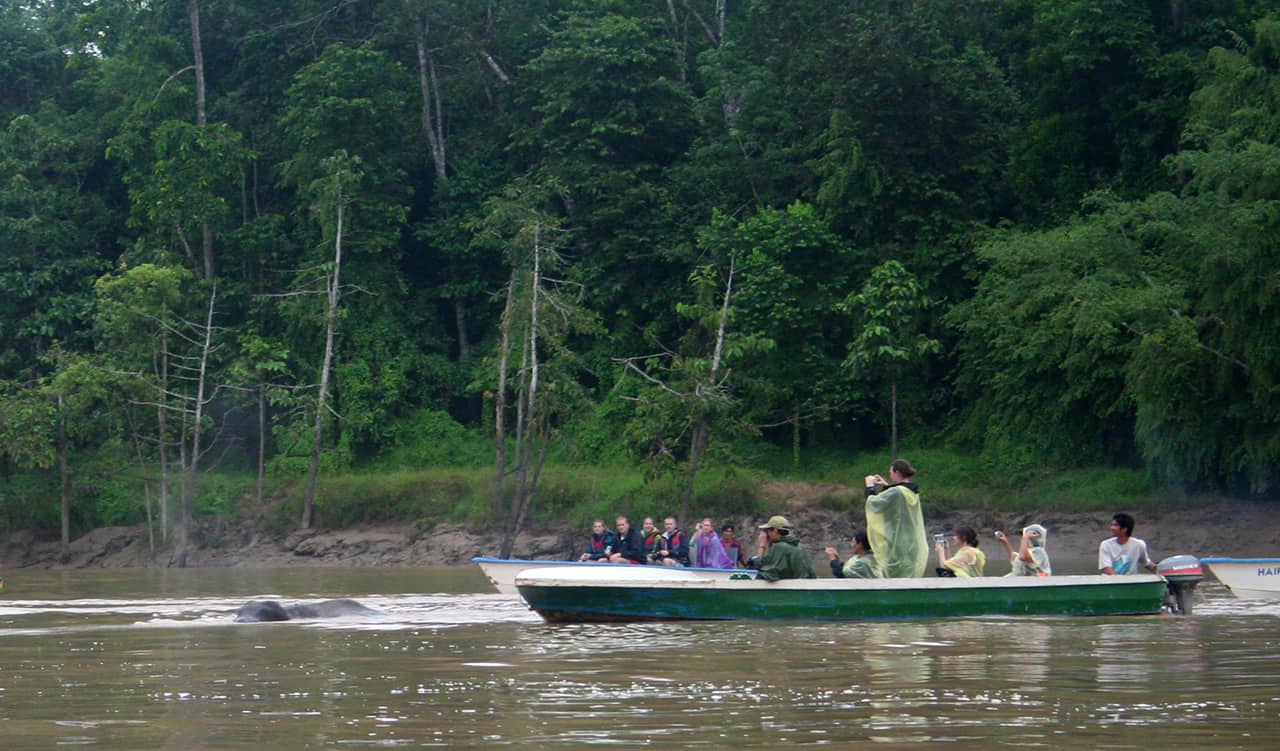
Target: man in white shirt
(1123,553)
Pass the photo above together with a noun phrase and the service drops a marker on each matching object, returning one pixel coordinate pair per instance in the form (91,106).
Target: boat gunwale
(481,560)
(553,579)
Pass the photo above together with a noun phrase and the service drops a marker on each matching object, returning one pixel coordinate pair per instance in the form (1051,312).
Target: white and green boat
(577,595)
(502,572)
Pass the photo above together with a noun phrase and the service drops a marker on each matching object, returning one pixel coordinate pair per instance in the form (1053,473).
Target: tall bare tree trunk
(460,319)
(527,419)
(146,483)
(697,446)
(795,438)
(330,322)
(262,440)
(893,417)
(197,51)
(529,490)
(500,402)
(191,468)
(64,480)
(180,526)
(432,114)
(701,437)
(162,420)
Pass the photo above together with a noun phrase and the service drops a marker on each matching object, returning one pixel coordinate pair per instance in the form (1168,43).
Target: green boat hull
(836,600)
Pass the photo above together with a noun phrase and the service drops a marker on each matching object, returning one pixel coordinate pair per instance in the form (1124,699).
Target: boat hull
(1248,578)
(571,599)
(502,572)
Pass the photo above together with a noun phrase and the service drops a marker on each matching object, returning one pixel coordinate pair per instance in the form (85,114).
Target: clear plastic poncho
(895,528)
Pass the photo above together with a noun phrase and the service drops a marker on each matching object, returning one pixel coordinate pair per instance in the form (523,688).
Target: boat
(1249,578)
(501,572)
(598,594)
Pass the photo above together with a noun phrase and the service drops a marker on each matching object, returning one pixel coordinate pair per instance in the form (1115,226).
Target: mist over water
(152,659)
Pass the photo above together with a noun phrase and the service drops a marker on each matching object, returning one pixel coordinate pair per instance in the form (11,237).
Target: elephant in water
(257,611)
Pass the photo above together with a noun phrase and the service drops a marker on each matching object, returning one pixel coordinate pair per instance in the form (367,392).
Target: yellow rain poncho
(895,527)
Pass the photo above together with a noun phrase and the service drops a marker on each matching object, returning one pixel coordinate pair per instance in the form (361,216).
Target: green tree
(50,229)
(791,272)
(611,115)
(889,336)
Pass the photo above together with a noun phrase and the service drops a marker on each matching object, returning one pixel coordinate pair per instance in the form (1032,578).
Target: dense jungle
(501,263)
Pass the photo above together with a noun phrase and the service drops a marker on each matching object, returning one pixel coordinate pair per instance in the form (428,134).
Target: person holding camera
(968,561)
(1031,559)
(895,522)
(779,553)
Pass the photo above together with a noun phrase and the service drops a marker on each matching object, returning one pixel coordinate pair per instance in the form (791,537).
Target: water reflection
(109,664)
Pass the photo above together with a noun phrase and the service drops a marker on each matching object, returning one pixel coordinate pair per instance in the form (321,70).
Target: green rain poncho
(895,527)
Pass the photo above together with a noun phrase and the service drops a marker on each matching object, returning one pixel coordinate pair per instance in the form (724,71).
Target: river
(150,659)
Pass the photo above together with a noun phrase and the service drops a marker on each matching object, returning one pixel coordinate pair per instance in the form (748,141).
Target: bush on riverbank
(570,495)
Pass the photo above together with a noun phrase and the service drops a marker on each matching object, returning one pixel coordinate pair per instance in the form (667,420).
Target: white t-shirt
(1130,558)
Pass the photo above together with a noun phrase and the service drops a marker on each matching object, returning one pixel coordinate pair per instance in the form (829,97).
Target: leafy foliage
(1086,194)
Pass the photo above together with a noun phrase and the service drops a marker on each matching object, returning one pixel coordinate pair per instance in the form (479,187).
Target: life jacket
(600,545)
(676,546)
(734,549)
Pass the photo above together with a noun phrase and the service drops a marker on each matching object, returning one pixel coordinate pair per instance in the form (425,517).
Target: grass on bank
(570,494)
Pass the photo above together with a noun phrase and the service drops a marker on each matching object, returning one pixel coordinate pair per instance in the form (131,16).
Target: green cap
(777,522)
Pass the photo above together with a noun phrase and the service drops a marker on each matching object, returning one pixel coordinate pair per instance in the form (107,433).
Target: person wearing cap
(895,522)
(780,555)
(1031,559)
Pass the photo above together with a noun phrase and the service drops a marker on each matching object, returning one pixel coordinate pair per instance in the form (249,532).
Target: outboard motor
(1181,573)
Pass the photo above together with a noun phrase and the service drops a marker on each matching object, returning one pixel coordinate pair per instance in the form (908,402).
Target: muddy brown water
(150,659)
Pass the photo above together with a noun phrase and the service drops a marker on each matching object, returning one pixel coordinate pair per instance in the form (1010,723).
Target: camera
(940,539)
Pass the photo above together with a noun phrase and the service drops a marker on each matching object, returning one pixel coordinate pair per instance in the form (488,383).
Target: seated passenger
(968,560)
(780,555)
(708,551)
(673,549)
(732,546)
(601,544)
(1031,558)
(861,565)
(1123,553)
(629,547)
(652,538)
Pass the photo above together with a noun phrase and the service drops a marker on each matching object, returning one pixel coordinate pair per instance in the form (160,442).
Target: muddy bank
(1213,528)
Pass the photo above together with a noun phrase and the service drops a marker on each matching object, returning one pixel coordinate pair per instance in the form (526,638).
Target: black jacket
(631,546)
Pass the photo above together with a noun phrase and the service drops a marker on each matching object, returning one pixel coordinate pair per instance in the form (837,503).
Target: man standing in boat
(780,555)
(1123,553)
(895,522)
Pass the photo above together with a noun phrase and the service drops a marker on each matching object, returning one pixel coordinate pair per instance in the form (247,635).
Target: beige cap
(777,522)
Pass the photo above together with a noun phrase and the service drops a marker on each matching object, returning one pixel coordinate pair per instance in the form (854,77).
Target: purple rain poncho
(710,552)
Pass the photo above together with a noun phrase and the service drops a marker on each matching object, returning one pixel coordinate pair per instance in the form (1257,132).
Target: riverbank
(1214,527)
